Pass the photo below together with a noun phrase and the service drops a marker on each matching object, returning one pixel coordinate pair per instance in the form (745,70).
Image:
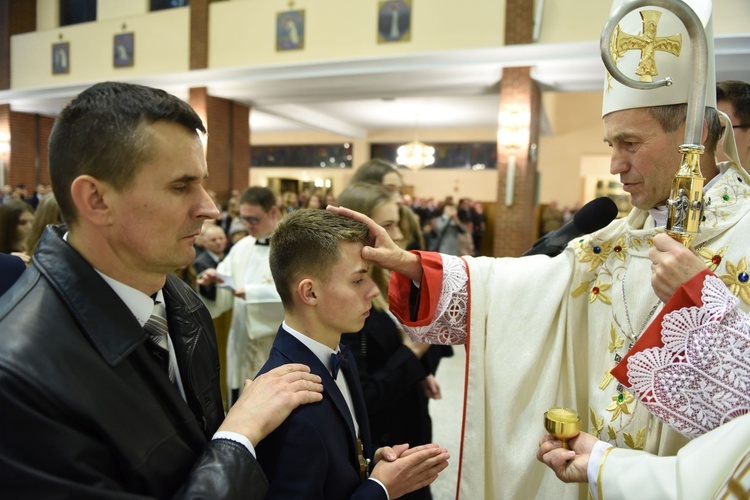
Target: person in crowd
(395,375)
(698,392)
(446,231)
(256,307)
(289,202)
(230,214)
(326,452)
(108,363)
(580,311)
(5,192)
(47,212)
(479,225)
(733,99)
(237,231)
(214,243)
(35,197)
(315,200)
(551,218)
(16,218)
(385,173)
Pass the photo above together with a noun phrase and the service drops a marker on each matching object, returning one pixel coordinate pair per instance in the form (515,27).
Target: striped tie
(157,330)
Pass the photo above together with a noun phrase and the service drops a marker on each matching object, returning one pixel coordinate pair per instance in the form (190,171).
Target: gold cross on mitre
(648,43)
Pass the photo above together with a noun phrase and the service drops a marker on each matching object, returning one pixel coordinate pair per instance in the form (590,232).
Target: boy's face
(345,296)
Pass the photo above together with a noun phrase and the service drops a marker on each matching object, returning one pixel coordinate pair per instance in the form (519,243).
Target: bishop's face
(643,155)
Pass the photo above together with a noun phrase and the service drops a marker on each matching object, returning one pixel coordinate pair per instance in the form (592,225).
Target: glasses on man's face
(742,125)
(251,220)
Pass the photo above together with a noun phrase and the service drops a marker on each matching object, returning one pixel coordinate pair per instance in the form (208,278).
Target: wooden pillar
(520,106)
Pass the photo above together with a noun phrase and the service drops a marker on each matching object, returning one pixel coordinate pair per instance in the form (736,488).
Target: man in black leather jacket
(86,409)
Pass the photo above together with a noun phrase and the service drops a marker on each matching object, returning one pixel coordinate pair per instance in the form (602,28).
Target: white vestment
(545,332)
(256,318)
(714,465)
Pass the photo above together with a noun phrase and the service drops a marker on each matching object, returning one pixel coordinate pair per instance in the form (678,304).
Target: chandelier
(415,155)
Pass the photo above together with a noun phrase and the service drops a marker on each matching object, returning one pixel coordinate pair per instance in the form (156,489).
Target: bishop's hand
(569,465)
(381,249)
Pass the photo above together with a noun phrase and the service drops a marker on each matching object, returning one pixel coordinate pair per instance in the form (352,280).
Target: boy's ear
(306,292)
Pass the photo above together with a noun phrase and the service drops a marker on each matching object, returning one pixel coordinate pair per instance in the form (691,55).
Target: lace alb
(700,379)
(449,324)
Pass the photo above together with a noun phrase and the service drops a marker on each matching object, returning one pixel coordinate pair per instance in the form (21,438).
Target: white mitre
(669,56)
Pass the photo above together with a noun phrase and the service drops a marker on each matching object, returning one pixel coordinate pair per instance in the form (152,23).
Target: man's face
(345,296)
(643,155)
(215,240)
(741,134)
(258,222)
(154,222)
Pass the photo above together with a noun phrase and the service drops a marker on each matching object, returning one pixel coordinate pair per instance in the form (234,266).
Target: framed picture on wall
(123,48)
(394,21)
(290,30)
(60,58)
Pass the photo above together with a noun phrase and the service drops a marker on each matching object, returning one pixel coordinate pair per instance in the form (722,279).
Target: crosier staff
(685,203)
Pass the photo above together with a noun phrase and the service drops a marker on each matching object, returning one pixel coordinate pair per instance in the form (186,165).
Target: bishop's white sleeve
(716,462)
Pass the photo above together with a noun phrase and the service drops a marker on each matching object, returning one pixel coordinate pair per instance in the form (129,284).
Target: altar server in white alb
(543,332)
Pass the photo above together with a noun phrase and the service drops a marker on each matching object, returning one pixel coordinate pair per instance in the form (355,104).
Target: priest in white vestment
(252,298)
(544,332)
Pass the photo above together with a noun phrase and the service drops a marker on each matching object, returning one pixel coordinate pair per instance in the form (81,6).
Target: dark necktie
(263,242)
(338,359)
(156,328)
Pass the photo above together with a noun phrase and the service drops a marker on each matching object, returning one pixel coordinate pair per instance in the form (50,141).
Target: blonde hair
(47,212)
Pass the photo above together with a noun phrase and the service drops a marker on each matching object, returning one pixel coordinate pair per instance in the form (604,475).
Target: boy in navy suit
(322,450)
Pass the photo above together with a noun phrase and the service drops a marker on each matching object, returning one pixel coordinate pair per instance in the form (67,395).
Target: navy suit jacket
(313,454)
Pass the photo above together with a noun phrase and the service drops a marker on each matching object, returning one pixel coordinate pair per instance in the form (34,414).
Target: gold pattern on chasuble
(615,341)
(597,424)
(712,258)
(636,442)
(647,42)
(606,380)
(620,405)
(595,253)
(737,280)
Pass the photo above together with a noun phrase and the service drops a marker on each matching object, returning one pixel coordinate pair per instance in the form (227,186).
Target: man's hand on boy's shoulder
(270,398)
(402,469)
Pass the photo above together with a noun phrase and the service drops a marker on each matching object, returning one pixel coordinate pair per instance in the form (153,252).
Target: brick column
(227,122)
(29,135)
(17,16)
(520,105)
(227,146)
(199,34)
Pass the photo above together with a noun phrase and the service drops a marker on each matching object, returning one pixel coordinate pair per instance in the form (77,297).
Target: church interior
(520,78)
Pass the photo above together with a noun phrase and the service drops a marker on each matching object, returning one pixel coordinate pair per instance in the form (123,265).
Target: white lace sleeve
(700,379)
(449,324)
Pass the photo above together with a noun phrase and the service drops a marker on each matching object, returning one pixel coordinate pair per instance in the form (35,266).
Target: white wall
(162,45)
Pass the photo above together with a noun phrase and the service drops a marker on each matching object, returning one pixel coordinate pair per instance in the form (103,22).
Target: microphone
(593,216)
